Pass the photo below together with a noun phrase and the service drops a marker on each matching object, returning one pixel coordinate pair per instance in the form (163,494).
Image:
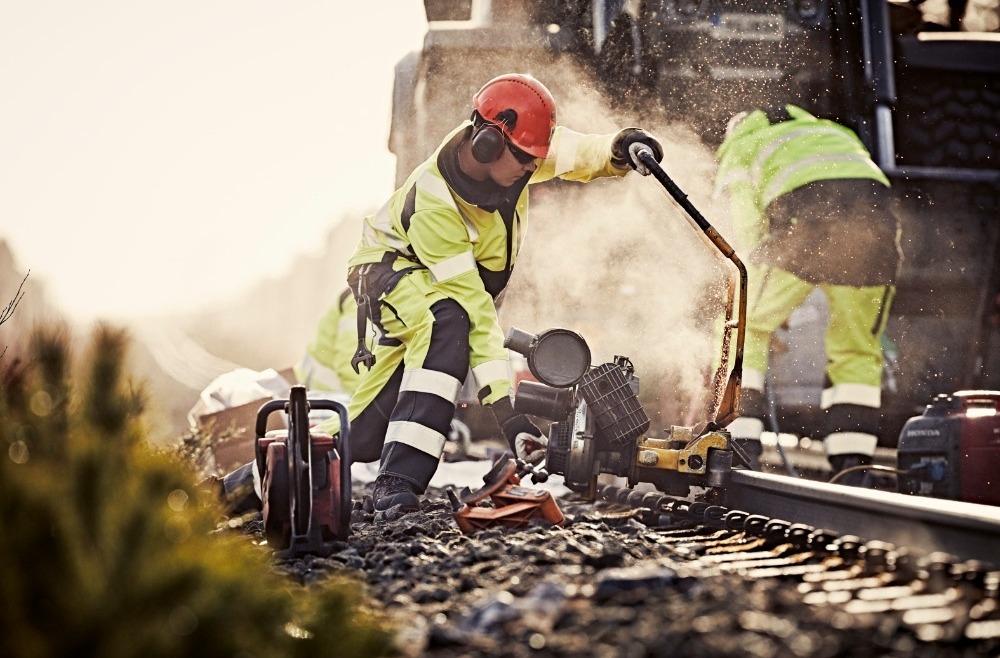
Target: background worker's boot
(391,491)
(238,494)
(855,478)
(235,491)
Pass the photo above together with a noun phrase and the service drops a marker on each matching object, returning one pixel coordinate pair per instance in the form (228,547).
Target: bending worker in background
(326,364)
(325,368)
(812,209)
(430,266)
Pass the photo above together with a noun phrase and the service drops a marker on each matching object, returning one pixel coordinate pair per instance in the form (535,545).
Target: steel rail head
(923,525)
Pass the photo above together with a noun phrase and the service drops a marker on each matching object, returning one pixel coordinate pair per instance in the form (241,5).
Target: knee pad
(451,316)
(451,335)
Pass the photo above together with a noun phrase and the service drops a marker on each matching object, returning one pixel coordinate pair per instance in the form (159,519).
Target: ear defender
(488,141)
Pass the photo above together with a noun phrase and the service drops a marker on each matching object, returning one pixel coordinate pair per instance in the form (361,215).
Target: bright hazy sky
(155,156)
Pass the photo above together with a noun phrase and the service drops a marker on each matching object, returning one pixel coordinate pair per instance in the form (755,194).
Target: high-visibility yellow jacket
(734,177)
(326,365)
(469,236)
(806,196)
(805,149)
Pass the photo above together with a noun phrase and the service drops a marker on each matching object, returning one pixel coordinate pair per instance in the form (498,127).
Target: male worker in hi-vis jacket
(430,266)
(429,269)
(812,209)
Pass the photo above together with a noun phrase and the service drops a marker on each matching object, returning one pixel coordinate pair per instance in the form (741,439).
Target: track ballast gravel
(603,584)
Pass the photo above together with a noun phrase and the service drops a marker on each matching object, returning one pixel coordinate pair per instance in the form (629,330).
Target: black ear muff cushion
(487,143)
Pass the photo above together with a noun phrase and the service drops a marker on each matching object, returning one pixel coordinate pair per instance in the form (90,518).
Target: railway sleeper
(936,595)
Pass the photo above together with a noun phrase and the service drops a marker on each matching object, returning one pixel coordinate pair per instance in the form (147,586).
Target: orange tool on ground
(513,505)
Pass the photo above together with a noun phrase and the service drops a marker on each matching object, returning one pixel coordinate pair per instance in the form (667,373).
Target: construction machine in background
(925,101)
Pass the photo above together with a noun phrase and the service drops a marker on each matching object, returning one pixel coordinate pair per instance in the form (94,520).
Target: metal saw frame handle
(728,409)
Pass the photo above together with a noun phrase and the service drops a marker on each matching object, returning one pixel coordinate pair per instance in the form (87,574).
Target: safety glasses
(521,156)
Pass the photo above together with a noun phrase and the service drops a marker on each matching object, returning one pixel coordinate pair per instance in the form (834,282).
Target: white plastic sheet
(238,387)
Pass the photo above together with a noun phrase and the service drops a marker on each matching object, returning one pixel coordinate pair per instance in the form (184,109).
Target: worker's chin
(505,181)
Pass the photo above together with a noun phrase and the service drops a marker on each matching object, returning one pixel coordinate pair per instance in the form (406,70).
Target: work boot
(235,491)
(391,491)
(856,478)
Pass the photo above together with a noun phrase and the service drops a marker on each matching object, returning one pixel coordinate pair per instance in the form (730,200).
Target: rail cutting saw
(599,425)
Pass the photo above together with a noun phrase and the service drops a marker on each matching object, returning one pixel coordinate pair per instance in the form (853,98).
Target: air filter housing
(613,401)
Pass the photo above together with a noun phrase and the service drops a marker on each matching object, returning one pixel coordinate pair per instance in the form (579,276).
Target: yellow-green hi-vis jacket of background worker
(432,261)
(326,364)
(811,209)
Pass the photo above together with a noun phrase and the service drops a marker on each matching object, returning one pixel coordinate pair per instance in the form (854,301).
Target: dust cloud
(618,261)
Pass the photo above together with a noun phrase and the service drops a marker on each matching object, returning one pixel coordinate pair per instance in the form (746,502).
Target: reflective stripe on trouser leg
(852,395)
(850,443)
(772,295)
(851,429)
(435,332)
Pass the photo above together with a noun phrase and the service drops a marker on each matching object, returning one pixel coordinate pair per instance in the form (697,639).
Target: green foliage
(108,548)
(195,447)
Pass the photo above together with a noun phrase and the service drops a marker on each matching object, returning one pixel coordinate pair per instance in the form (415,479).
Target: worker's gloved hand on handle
(621,154)
(523,436)
(530,447)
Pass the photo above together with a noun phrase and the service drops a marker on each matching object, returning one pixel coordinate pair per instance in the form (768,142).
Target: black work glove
(523,436)
(620,156)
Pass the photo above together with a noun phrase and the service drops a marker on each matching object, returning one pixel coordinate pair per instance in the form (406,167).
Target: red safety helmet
(522,108)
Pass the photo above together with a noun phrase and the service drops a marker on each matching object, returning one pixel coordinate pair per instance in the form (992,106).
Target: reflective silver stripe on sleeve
(471,228)
(437,188)
(775,144)
(319,376)
(304,368)
(566,151)
(416,436)
(452,267)
(437,383)
(859,394)
(730,179)
(774,188)
(741,175)
(379,232)
(491,371)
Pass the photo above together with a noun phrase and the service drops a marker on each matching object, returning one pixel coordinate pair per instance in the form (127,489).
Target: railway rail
(930,561)
(966,530)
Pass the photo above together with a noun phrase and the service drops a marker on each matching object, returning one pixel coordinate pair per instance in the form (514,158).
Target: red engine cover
(326,493)
(980,446)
